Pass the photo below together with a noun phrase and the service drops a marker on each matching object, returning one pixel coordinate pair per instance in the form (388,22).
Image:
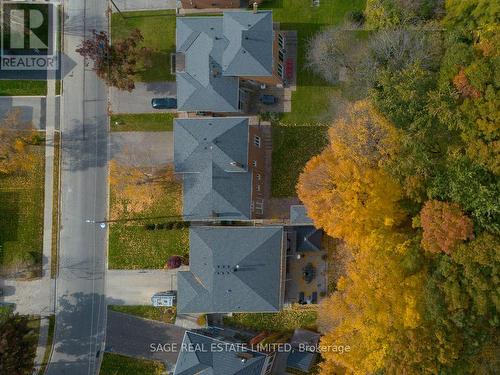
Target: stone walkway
(187,321)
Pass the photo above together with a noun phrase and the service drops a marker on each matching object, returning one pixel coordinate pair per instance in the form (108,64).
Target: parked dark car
(268,99)
(164,103)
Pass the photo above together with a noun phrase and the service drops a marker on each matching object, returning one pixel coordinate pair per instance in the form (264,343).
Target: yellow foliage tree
(345,188)
(373,307)
(15,136)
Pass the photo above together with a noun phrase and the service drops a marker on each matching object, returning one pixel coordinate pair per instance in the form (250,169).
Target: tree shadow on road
(86,145)
(79,333)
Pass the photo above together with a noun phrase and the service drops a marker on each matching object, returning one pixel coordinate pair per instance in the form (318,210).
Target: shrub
(173,262)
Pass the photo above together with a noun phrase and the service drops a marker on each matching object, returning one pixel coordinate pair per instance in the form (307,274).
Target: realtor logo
(28,38)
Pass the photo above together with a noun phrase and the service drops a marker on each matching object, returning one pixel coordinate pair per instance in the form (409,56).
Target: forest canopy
(410,182)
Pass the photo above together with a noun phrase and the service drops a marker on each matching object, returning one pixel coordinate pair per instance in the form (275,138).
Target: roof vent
(236,164)
(245,356)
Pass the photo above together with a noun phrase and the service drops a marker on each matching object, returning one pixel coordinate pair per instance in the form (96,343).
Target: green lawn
(115,364)
(21,219)
(158,29)
(144,122)
(311,99)
(162,314)
(311,102)
(22,87)
(5,311)
(293,146)
(284,321)
(132,246)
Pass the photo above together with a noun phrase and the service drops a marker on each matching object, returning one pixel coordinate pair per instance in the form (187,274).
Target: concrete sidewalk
(32,109)
(135,287)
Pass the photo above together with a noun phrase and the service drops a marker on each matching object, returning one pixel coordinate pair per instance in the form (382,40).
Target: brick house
(211,351)
(233,269)
(222,161)
(215,54)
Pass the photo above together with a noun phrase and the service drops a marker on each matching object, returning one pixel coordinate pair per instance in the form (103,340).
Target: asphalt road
(80,299)
(133,337)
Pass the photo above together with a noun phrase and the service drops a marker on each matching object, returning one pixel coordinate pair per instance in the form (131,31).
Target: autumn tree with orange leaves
(345,188)
(444,226)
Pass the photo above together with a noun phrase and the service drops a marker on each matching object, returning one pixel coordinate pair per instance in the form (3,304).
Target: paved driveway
(135,287)
(32,108)
(126,5)
(133,337)
(28,297)
(142,149)
(139,99)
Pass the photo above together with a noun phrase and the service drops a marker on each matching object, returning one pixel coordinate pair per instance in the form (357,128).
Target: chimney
(255,6)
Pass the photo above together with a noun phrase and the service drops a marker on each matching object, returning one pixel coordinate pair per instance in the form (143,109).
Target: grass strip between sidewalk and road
(55,206)
(48,347)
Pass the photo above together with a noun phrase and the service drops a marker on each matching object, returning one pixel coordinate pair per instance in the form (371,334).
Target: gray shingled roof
(232,269)
(204,149)
(250,49)
(308,238)
(300,359)
(216,51)
(202,87)
(205,356)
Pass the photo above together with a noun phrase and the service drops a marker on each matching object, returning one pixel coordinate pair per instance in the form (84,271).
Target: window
(254,163)
(281,41)
(256,140)
(258,176)
(280,70)
(281,55)
(258,187)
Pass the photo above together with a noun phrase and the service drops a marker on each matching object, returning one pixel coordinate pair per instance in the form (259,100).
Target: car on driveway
(164,103)
(164,299)
(268,99)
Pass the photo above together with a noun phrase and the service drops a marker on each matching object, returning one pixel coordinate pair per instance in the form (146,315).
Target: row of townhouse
(233,268)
